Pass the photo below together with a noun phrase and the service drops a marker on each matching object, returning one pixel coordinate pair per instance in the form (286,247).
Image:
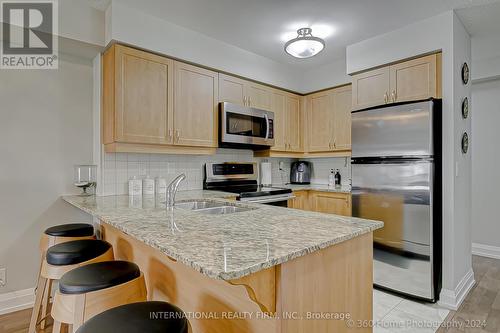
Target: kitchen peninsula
(261,269)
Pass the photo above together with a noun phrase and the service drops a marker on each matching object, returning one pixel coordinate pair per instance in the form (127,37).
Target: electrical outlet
(3,277)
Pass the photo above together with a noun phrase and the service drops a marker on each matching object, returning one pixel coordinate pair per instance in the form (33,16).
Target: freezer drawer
(400,130)
(399,193)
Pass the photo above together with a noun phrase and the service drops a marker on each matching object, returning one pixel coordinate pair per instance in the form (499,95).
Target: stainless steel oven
(245,127)
(242,180)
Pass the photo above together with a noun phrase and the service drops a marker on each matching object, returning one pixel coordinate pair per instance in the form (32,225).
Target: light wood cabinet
(243,92)
(342,104)
(280,121)
(287,122)
(320,120)
(301,200)
(294,128)
(414,79)
(195,106)
(329,120)
(410,80)
(154,104)
(331,203)
(232,89)
(259,96)
(370,88)
(322,202)
(138,97)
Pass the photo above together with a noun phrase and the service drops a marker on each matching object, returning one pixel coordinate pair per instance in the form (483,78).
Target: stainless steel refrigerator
(396,178)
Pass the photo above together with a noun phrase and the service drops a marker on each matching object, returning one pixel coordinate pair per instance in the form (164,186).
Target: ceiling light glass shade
(305,45)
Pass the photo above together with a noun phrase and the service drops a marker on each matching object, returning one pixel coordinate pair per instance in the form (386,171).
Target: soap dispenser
(331,179)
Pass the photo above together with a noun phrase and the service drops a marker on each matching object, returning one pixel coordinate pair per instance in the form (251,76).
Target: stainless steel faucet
(172,190)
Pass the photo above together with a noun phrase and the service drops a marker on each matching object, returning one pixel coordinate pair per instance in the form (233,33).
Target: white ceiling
(262,26)
(483,24)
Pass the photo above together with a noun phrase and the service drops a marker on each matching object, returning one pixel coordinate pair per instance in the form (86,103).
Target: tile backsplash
(118,168)
(321,169)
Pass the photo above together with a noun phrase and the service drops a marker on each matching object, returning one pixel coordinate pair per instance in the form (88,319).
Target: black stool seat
(71,230)
(75,252)
(151,317)
(98,276)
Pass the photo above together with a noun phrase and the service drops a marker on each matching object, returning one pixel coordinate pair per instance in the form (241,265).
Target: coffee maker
(300,173)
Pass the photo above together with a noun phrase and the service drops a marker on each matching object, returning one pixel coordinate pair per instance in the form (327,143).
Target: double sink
(210,207)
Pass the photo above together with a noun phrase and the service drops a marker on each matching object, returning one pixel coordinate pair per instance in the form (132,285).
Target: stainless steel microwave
(245,127)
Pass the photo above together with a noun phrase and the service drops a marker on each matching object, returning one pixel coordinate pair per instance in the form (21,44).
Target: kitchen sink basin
(223,210)
(210,207)
(198,204)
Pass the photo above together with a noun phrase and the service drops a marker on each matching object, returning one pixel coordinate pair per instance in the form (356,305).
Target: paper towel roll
(265,173)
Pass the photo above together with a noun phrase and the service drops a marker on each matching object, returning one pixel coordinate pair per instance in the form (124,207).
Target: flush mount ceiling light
(305,45)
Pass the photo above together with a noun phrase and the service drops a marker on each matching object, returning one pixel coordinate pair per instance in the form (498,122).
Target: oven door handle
(267,126)
(274,199)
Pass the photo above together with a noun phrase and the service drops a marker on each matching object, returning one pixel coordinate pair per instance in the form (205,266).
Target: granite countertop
(223,246)
(315,187)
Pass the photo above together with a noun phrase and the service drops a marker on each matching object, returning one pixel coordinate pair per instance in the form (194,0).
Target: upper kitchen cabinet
(342,105)
(410,80)
(370,88)
(293,124)
(243,92)
(329,121)
(415,79)
(152,104)
(195,106)
(138,97)
(287,128)
(320,119)
(232,89)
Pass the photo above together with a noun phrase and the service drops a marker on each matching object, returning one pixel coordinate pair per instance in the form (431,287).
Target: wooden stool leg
(40,290)
(45,303)
(79,312)
(57,327)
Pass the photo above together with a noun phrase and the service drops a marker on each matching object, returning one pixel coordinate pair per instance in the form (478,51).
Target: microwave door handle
(267,126)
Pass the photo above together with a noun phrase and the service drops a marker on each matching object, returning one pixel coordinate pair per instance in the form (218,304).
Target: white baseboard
(486,250)
(17,300)
(452,299)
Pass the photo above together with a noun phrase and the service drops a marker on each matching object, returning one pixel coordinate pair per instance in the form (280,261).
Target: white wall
(45,129)
(130,26)
(443,32)
(330,75)
(485,112)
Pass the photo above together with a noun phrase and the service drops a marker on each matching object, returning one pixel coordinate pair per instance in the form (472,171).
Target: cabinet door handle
(244,101)
(393,95)
(170,133)
(249,101)
(385,98)
(177,134)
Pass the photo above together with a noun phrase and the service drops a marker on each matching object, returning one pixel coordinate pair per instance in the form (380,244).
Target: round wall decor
(465,143)
(465,73)
(465,108)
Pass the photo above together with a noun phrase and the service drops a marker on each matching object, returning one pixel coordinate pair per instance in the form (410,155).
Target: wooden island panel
(335,279)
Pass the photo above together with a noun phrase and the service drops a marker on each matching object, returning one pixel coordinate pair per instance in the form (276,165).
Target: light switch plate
(3,277)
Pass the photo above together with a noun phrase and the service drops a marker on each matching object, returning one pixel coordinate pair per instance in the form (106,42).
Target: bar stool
(55,235)
(151,317)
(89,290)
(65,233)
(60,259)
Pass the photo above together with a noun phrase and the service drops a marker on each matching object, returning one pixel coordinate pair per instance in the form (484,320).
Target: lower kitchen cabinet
(301,200)
(331,203)
(322,202)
